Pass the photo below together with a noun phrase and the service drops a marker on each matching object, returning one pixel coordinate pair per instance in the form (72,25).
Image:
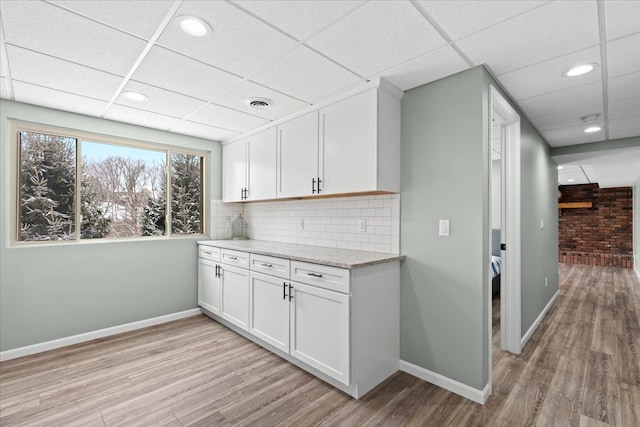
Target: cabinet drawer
(237,258)
(333,278)
(209,252)
(270,265)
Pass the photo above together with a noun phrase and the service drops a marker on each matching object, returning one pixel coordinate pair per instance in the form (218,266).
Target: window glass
(186,194)
(47,187)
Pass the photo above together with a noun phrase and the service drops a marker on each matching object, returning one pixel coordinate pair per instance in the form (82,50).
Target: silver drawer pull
(267,265)
(315,274)
(207,252)
(233,258)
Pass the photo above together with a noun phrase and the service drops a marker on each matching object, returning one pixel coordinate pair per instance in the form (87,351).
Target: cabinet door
(297,156)
(349,144)
(261,174)
(234,170)
(208,286)
(269,310)
(235,296)
(320,330)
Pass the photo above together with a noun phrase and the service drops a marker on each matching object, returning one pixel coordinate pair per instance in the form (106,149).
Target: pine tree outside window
(126,190)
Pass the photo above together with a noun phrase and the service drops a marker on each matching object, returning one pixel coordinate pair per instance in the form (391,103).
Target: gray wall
(445,175)
(496,196)
(636,226)
(54,291)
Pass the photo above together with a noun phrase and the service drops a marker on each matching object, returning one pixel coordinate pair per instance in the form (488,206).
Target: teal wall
(445,175)
(54,291)
(636,226)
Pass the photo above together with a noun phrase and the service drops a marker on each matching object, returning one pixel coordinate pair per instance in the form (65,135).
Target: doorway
(504,134)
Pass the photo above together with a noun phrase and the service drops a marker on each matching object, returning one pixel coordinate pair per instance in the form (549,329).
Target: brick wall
(600,235)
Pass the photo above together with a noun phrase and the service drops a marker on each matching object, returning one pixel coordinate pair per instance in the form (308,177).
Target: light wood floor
(581,367)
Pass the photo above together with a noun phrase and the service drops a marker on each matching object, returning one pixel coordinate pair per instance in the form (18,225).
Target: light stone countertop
(343,258)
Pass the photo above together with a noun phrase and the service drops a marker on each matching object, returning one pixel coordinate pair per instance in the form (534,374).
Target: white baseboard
(474,394)
(533,327)
(88,336)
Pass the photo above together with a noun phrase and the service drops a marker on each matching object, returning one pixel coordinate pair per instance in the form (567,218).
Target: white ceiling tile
(463,17)
(624,87)
(300,19)
(4,88)
(51,98)
(42,70)
(572,138)
(202,131)
(575,133)
(48,29)
(225,118)
(590,173)
(237,98)
(161,67)
(240,43)
(623,55)
(554,29)
(574,172)
(624,128)
(377,36)
(135,116)
(564,119)
(429,67)
(623,17)
(625,109)
(306,75)
(587,96)
(139,17)
(160,101)
(546,76)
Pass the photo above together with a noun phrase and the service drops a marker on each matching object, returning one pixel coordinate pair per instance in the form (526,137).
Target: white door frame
(510,298)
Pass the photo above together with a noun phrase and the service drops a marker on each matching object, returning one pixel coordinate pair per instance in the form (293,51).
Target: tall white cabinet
(297,166)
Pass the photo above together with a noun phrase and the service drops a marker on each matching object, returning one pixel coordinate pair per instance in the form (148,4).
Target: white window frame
(16,126)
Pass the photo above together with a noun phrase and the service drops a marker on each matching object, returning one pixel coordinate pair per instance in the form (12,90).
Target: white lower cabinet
(209,286)
(339,324)
(320,330)
(269,310)
(235,296)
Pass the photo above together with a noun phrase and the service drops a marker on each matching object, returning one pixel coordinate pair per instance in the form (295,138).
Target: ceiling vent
(590,118)
(260,103)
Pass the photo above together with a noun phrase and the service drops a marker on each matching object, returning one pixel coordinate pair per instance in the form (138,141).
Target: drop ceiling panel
(426,68)
(624,87)
(546,76)
(42,70)
(4,88)
(625,109)
(587,96)
(564,119)
(573,172)
(48,29)
(306,75)
(202,131)
(590,173)
(160,101)
(461,18)
(58,100)
(225,118)
(239,44)
(620,55)
(300,19)
(556,137)
(135,116)
(138,17)
(533,36)
(237,98)
(377,36)
(624,128)
(617,170)
(161,66)
(623,17)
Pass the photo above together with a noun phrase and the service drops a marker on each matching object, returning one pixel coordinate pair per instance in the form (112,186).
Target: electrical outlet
(362,225)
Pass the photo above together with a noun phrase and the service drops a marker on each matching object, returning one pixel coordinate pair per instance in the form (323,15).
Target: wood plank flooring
(580,368)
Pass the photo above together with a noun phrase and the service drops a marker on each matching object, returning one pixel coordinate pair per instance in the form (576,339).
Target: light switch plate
(443,229)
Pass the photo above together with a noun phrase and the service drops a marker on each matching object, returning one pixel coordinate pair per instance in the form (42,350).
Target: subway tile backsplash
(333,222)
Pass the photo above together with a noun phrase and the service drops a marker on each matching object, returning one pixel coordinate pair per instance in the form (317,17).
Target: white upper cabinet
(261,173)
(249,168)
(298,156)
(234,171)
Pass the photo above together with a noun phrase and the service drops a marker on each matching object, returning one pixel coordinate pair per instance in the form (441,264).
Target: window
(127,189)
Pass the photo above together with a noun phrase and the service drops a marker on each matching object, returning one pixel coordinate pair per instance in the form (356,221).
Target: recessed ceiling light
(579,70)
(135,96)
(560,167)
(571,180)
(194,26)
(259,103)
(593,129)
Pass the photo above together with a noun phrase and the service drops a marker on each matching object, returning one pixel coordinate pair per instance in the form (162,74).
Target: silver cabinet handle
(266,265)
(233,258)
(207,252)
(314,274)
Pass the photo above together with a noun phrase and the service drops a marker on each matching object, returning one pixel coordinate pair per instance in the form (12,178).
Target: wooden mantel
(575,205)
